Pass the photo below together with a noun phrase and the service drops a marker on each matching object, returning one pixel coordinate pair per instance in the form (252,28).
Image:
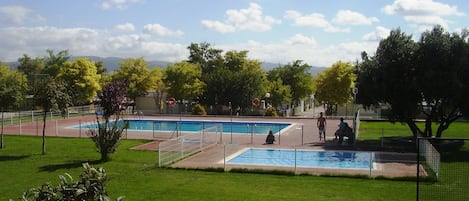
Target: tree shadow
(13,158)
(69,165)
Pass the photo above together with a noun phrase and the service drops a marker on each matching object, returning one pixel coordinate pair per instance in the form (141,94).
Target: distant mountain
(112,64)
(269,66)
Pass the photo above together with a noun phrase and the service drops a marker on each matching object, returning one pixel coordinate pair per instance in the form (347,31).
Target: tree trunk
(44,133)
(428,128)
(413,127)
(1,134)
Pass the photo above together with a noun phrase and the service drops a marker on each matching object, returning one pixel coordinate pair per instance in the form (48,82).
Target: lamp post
(355,92)
(231,122)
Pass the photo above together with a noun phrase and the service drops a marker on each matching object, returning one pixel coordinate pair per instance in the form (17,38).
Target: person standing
(321,123)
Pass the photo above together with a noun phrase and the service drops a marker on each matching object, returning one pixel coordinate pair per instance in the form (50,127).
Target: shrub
(199,109)
(271,111)
(90,186)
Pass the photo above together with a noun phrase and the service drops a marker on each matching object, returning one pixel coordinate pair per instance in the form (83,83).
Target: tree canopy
(183,81)
(297,76)
(334,85)
(82,80)
(136,73)
(426,79)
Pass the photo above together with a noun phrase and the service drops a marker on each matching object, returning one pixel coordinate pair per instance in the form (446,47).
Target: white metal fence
(187,144)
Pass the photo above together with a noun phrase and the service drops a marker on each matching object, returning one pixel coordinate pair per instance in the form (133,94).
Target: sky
(318,32)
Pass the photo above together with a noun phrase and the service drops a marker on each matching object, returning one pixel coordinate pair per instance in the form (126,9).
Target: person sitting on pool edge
(270,138)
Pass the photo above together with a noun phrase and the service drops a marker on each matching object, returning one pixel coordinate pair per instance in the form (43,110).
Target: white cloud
(300,39)
(314,20)
(159,30)
(379,33)
(218,26)
(250,19)
(348,17)
(125,27)
(316,55)
(422,14)
(84,42)
(119,4)
(18,15)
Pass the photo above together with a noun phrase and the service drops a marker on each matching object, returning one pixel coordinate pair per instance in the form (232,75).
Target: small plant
(199,109)
(112,100)
(271,111)
(90,186)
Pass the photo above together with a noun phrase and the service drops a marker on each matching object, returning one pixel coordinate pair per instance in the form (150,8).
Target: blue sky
(280,31)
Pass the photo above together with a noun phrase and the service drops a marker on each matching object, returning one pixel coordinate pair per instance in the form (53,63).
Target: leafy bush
(271,111)
(90,186)
(199,109)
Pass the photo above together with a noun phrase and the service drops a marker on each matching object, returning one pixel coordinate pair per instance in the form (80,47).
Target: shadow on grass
(71,164)
(13,158)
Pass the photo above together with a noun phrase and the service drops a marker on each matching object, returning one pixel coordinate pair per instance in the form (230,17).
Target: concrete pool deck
(302,134)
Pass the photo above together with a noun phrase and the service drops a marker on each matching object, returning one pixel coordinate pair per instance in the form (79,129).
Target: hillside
(112,64)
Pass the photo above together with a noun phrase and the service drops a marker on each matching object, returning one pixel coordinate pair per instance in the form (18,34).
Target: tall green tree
(297,76)
(52,96)
(54,62)
(160,88)
(236,74)
(427,78)
(183,81)
(205,56)
(82,80)
(29,66)
(279,92)
(334,85)
(136,73)
(13,89)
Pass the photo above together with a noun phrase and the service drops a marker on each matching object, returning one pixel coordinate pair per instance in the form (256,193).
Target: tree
(334,85)
(136,73)
(279,92)
(428,78)
(297,76)
(81,79)
(236,74)
(13,88)
(183,81)
(29,66)
(160,87)
(205,56)
(112,101)
(55,62)
(51,95)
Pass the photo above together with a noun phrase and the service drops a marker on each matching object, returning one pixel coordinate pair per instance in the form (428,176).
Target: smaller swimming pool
(304,158)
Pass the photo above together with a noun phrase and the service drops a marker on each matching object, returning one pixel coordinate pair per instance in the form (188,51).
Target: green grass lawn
(134,174)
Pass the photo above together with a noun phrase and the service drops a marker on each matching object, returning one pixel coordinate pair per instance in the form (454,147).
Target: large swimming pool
(304,158)
(235,127)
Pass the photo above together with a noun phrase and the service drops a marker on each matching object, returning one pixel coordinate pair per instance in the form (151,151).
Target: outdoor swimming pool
(235,127)
(304,158)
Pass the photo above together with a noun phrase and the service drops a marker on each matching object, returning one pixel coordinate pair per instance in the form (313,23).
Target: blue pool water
(235,127)
(305,158)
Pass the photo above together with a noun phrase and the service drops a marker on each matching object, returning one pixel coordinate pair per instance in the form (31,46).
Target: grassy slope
(134,175)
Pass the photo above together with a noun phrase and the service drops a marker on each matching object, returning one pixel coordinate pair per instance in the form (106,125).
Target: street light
(355,92)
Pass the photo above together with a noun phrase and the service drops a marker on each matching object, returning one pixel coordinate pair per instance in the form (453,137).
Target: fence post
(295,160)
(56,127)
(79,130)
(418,170)
(302,134)
(382,137)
